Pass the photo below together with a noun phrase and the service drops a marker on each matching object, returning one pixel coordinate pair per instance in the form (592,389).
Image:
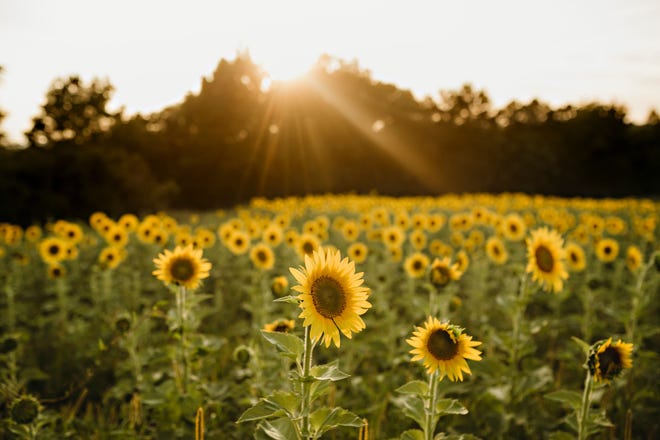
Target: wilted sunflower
(183,267)
(575,258)
(607,250)
(416,264)
(496,251)
(332,296)
(358,252)
(443,347)
(545,257)
(262,256)
(442,272)
(607,360)
(633,258)
(280,326)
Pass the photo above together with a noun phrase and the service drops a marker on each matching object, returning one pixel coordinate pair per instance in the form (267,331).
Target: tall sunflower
(443,347)
(607,360)
(183,267)
(545,259)
(332,296)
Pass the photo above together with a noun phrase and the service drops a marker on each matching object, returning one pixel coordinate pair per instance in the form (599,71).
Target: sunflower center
(54,249)
(182,269)
(607,250)
(308,247)
(328,296)
(417,265)
(261,256)
(281,328)
(573,256)
(441,345)
(496,250)
(544,259)
(610,361)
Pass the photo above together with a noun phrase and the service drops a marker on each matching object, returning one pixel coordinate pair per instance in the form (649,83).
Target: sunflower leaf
(289,344)
(277,404)
(279,429)
(585,347)
(325,419)
(414,387)
(572,398)
(288,299)
(412,407)
(449,406)
(412,434)
(328,372)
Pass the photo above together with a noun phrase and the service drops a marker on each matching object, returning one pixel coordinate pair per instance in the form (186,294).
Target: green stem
(520,304)
(306,395)
(182,315)
(583,415)
(588,312)
(429,429)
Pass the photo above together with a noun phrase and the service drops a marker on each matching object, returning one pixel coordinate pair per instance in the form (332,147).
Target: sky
(155,52)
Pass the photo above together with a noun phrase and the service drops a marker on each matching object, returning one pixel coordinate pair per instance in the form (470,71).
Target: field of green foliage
(187,325)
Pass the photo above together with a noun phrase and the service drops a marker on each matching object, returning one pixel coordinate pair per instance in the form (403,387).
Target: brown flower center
(182,269)
(610,362)
(441,345)
(308,247)
(54,249)
(544,259)
(261,256)
(328,297)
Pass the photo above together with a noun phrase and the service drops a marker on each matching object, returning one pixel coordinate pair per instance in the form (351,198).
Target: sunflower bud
(25,410)
(243,354)
(279,285)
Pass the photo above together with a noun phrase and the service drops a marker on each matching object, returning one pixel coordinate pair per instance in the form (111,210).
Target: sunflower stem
(583,415)
(429,429)
(306,402)
(182,315)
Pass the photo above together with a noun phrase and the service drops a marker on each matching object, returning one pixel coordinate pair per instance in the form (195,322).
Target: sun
(286,67)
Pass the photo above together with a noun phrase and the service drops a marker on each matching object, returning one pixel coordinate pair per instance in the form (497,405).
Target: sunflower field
(338,317)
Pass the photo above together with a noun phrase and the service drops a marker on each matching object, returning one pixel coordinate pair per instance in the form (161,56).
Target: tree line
(334,130)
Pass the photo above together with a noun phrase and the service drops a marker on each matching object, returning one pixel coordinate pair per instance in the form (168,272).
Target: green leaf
(560,435)
(412,434)
(280,429)
(319,388)
(288,299)
(572,398)
(289,344)
(449,406)
(583,345)
(412,407)
(325,419)
(414,387)
(277,404)
(443,436)
(328,372)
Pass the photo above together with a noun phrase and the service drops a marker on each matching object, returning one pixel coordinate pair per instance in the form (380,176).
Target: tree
(73,113)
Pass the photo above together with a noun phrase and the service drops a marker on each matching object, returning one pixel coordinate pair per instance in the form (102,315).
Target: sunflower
(129,222)
(55,271)
(33,233)
(117,236)
(280,326)
(496,251)
(575,258)
(545,257)
(279,285)
(183,267)
(145,232)
(160,236)
(350,231)
(358,252)
(440,248)
(418,239)
(416,264)
(633,258)
(443,347)
(238,243)
(272,235)
(111,256)
(332,296)
(435,222)
(442,272)
(607,360)
(395,253)
(513,227)
(307,243)
(607,249)
(393,236)
(463,261)
(52,249)
(205,238)
(262,256)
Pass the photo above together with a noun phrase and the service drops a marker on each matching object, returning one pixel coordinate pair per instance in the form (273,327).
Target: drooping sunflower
(262,256)
(633,259)
(496,251)
(607,360)
(443,347)
(183,267)
(280,326)
(607,250)
(443,272)
(575,258)
(416,264)
(332,296)
(545,259)
(358,252)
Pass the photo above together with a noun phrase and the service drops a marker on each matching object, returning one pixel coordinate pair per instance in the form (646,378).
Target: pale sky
(154,52)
